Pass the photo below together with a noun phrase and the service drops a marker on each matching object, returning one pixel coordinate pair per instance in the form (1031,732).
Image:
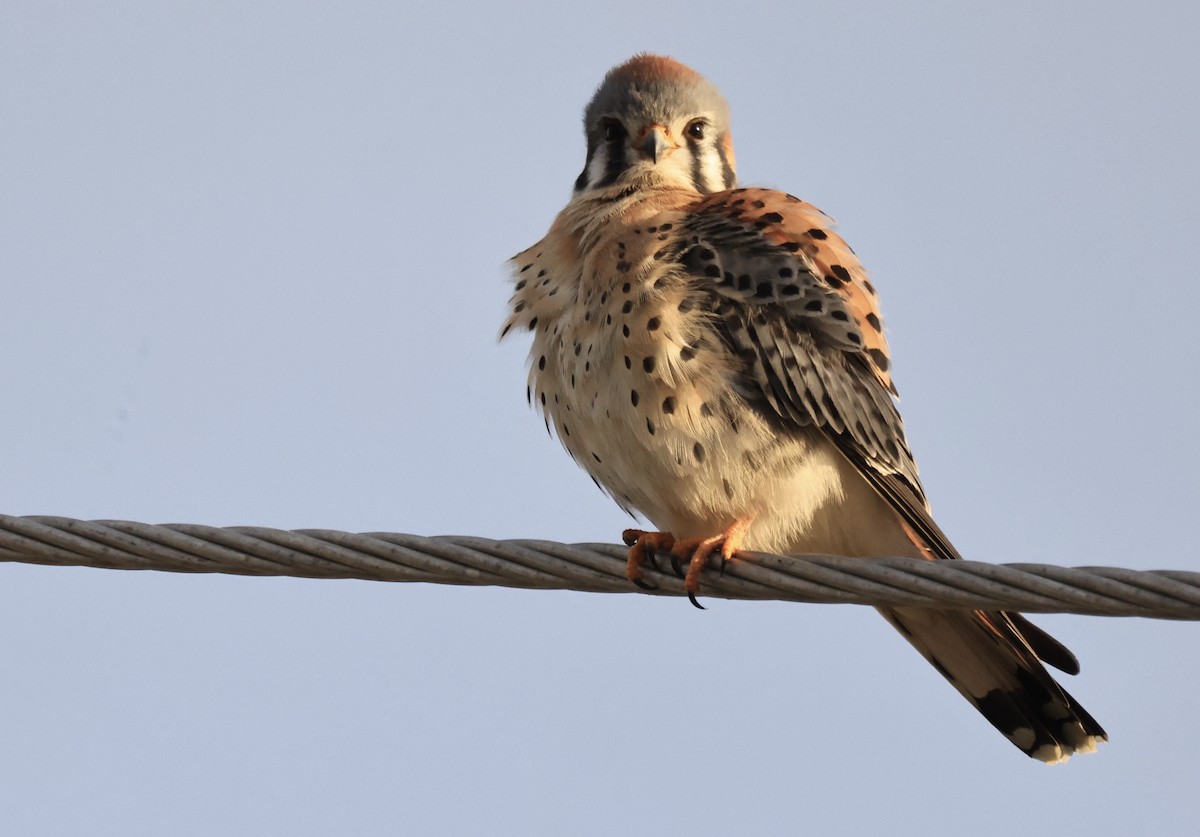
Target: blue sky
(251,260)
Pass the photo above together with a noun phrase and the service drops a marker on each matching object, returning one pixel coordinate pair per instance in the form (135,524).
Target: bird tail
(993,664)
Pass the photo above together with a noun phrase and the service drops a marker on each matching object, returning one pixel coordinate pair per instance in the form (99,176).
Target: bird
(714,357)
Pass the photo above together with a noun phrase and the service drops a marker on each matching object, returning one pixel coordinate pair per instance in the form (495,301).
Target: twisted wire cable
(596,568)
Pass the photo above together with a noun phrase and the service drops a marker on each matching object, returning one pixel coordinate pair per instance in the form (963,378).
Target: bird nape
(715,358)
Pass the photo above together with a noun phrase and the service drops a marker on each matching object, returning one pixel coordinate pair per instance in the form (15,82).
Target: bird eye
(696,129)
(613,130)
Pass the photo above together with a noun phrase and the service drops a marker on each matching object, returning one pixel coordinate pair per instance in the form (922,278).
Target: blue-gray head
(655,121)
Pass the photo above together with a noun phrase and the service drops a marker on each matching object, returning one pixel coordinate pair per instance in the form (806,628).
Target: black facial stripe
(615,163)
(693,146)
(581,182)
(726,169)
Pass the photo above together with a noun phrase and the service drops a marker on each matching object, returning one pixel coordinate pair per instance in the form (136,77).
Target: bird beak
(654,143)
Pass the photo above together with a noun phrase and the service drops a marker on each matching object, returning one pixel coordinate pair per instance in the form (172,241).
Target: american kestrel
(714,357)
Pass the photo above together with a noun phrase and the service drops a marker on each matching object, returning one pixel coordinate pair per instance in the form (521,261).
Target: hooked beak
(654,143)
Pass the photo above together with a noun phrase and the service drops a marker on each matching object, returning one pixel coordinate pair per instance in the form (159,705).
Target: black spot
(543,397)
(662,254)
(814,305)
(668,405)
(627,307)
(791,246)
(727,279)
(572,380)
(595,457)
(737,202)
(628,362)
(705,254)
(653,323)
(839,314)
(648,364)
(520,285)
(870,288)
(541,273)
(542,363)
(840,272)
(764,290)
(633,397)
(817,233)
(687,353)
(665,227)
(519,307)
(698,451)
(772,218)
(713,270)
(533,324)
(624,266)
(705,410)
(789,290)
(728,488)
(650,426)
(566,430)
(587,367)
(604,297)
(608,319)
(881,360)
(526,267)
(578,349)
(785,273)
(686,304)
(874,321)
(651,229)
(625,329)
(743,282)
(757,204)
(625,288)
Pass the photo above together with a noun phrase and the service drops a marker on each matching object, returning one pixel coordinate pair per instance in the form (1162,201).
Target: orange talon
(642,547)
(698,550)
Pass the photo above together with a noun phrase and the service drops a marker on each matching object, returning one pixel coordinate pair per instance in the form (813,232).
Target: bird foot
(644,548)
(697,551)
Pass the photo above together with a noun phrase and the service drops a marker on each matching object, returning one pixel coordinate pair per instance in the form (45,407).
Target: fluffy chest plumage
(630,372)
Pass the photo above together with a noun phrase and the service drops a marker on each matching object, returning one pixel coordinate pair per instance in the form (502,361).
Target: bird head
(655,122)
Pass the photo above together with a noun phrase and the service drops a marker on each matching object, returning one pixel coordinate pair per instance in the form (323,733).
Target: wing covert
(793,301)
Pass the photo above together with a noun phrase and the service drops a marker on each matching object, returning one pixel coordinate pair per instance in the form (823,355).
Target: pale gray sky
(251,272)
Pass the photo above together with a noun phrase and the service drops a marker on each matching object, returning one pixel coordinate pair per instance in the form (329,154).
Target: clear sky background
(251,273)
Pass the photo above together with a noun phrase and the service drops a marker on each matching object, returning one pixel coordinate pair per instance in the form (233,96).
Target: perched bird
(714,357)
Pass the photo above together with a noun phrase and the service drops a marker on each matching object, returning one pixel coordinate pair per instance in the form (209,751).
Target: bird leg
(698,550)
(643,547)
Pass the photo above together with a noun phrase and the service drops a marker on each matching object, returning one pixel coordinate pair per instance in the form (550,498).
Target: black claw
(724,561)
(645,585)
(692,599)
(629,538)
(675,565)
(652,558)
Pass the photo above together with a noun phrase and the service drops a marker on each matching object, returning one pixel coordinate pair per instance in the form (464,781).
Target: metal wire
(596,568)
